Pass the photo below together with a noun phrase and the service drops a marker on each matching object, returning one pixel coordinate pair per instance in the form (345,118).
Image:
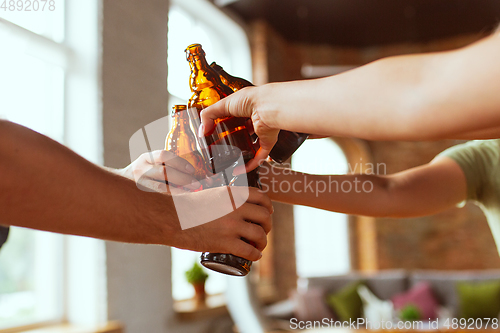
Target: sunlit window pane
(321,237)
(30,277)
(32,92)
(183,30)
(45,18)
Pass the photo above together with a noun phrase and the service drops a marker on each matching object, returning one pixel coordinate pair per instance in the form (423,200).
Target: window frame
(82,259)
(231,37)
(345,218)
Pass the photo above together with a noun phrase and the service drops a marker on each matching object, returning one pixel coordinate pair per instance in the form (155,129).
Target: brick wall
(454,239)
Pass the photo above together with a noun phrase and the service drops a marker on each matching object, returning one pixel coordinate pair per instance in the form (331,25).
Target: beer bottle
(182,141)
(233,82)
(288,142)
(208,89)
(224,145)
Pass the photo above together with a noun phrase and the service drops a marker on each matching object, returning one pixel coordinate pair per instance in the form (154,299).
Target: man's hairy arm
(46,186)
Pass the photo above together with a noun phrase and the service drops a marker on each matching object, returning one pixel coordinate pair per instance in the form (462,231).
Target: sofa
(385,286)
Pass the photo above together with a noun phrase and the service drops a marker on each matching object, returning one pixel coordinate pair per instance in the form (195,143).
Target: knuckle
(230,223)
(263,234)
(267,214)
(164,155)
(138,174)
(263,198)
(262,241)
(144,157)
(248,252)
(264,245)
(264,213)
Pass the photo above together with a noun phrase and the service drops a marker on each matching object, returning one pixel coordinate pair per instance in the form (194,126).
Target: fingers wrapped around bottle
(162,169)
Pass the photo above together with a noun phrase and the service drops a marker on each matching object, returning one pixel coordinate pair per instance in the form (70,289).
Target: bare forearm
(411,193)
(412,97)
(46,186)
(338,193)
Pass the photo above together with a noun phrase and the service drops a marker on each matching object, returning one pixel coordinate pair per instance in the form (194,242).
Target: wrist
(160,220)
(119,172)
(267,181)
(267,111)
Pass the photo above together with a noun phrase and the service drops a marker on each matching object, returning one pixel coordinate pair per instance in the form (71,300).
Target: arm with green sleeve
(480,163)
(419,191)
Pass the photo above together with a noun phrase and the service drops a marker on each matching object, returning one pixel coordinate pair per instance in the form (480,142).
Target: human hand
(243,103)
(152,170)
(227,234)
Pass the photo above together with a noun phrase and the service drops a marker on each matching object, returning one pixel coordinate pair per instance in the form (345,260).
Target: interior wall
(451,240)
(275,60)
(454,239)
(134,70)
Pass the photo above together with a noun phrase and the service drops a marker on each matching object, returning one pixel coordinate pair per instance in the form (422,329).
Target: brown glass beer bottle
(233,82)
(225,145)
(288,142)
(182,141)
(208,89)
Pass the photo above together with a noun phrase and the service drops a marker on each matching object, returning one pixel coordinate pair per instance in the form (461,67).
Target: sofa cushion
(443,284)
(384,284)
(421,296)
(479,300)
(346,302)
(375,310)
(310,304)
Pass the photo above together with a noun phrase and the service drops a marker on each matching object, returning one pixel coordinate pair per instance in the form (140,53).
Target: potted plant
(196,276)
(410,313)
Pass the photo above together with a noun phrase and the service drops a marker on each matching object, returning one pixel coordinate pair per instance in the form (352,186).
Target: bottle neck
(233,82)
(180,120)
(198,61)
(200,78)
(181,138)
(203,76)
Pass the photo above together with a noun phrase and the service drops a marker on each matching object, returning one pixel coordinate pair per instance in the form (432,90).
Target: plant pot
(199,292)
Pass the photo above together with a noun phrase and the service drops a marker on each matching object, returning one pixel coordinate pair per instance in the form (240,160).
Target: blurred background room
(89,74)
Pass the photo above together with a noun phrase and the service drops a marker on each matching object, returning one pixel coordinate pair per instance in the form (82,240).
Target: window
(321,237)
(40,59)
(198,21)
(32,91)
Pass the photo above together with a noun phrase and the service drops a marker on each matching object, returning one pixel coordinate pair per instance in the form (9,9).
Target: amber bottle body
(288,142)
(223,148)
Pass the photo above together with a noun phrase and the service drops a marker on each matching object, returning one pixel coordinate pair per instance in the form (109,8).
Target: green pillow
(346,302)
(479,300)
